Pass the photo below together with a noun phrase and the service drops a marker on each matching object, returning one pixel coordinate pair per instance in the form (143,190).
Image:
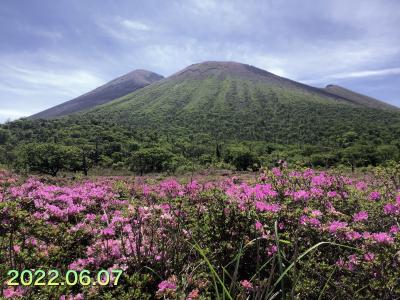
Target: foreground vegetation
(288,234)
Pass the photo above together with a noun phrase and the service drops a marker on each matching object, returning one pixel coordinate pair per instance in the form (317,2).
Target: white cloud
(271,63)
(10,115)
(203,5)
(266,34)
(308,62)
(125,30)
(27,88)
(134,25)
(356,74)
(367,73)
(70,82)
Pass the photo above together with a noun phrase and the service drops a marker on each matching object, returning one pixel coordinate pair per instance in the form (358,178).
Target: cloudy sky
(52,51)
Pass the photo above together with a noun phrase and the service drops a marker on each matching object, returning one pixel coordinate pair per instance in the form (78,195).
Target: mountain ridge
(357,97)
(220,71)
(209,113)
(238,71)
(237,101)
(107,92)
(258,74)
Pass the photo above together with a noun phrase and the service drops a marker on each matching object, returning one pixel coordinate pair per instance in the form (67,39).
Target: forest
(76,144)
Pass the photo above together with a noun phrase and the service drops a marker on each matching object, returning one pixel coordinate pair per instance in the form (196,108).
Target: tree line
(72,145)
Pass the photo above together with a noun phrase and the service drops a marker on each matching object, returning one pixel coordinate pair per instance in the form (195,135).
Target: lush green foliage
(209,121)
(153,159)
(50,158)
(110,145)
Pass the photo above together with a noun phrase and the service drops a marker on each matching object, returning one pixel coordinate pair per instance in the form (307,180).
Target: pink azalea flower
(247,285)
(382,238)
(17,248)
(107,232)
(301,195)
(374,196)
(334,226)
(13,293)
(394,229)
(316,213)
(353,235)
(316,192)
(308,173)
(303,220)
(391,209)
(193,295)
(277,172)
(271,207)
(332,194)
(366,235)
(8,293)
(360,216)
(258,226)
(314,222)
(361,186)
(272,250)
(352,263)
(340,262)
(166,285)
(369,256)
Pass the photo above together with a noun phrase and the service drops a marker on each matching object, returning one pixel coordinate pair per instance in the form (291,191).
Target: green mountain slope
(235,101)
(357,98)
(211,114)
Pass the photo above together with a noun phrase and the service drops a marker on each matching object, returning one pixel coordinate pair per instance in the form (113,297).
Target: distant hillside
(114,89)
(233,100)
(219,114)
(357,98)
(225,70)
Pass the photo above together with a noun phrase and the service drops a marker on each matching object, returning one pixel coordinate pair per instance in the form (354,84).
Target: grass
(224,291)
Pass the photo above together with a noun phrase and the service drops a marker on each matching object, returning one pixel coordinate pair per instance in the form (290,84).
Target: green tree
(359,155)
(326,159)
(246,160)
(387,152)
(4,136)
(78,159)
(48,158)
(153,159)
(348,139)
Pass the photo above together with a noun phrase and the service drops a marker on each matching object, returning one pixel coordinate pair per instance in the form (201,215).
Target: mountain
(237,101)
(114,89)
(214,114)
(357,98)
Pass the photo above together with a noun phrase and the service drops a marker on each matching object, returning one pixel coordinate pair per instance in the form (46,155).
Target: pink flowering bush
(290,232)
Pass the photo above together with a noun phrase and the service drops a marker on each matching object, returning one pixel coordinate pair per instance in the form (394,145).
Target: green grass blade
(326,284)
(279,256)
(214,273)
(304,254)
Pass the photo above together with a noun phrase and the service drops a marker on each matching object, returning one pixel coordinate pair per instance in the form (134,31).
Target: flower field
(289,234)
